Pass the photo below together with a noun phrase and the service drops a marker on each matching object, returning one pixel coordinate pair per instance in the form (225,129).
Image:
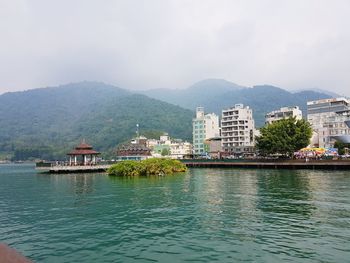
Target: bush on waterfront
(147,167)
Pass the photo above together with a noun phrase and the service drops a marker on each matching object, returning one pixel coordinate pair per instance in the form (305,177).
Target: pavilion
(83,154)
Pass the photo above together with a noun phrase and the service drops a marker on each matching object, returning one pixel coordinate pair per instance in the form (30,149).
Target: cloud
(143,44)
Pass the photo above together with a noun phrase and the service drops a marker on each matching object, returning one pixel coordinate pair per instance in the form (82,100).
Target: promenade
(269,164)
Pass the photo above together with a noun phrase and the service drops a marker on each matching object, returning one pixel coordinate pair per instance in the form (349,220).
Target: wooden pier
(51,168)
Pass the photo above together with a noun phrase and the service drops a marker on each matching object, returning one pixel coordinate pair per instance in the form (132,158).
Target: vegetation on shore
(284,137)
(342,147)
(153,166)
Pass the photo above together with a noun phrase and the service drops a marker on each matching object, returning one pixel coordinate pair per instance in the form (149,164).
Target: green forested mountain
(48,122)
(215,95)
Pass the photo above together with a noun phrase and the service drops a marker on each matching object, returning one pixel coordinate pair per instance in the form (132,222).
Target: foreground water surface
(204,215)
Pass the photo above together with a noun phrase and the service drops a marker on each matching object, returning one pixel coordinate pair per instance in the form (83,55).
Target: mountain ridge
(47,122)
(261,98)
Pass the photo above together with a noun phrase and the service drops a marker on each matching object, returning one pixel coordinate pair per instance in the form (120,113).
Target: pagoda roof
(83,145)
(83,149)
(133,150)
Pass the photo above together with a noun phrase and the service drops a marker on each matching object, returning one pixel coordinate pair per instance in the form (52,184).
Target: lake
(203,215)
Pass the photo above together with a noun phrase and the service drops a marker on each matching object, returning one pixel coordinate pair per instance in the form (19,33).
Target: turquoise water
(204,215)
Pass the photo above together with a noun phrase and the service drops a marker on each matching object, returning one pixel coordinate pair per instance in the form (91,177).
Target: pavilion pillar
(75,160)
(70,160)
(94,159)
(84,159)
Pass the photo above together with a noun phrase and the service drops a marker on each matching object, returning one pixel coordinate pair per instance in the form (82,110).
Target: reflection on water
(77,185)
(285,193)
(204,215)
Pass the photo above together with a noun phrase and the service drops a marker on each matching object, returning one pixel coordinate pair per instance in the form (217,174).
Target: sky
(146,44)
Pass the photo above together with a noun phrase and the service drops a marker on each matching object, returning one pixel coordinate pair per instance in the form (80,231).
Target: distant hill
(215,95)
(48,122)
(195,94)
(327,92)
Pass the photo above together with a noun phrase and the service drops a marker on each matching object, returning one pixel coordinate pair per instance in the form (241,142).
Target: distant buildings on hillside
(329,118)
(142,148)
(234,135)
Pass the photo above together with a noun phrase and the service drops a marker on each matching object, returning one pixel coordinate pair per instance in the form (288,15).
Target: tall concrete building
(330,121)
(283,113)
(237,130)
(205,126)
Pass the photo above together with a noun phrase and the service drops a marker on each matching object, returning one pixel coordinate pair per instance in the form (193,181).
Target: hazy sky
(172,44)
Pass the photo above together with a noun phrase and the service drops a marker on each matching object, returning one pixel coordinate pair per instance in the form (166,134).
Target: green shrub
(147,167)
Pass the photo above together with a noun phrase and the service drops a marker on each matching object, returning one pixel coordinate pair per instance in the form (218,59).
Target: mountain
(193,96)
(214,95)
(329,93)
(48,122)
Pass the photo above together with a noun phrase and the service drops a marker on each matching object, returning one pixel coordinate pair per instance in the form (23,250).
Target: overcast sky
(139,44)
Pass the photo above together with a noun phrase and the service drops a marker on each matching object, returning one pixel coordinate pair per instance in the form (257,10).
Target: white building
(329,119)
(179,149)
(237,130)
(205,126)
(283,113)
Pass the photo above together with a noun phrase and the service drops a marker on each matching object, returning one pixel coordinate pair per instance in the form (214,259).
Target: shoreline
(270,164)
(219,163)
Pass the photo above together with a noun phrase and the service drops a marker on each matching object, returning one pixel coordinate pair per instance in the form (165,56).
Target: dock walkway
(74,169)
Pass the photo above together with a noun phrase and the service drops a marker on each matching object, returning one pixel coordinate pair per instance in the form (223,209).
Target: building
(133,151)
(329,119)
(180,149)
(283,113)
(205,126)
(214,147)
(136,149)
(237,130)
(83,154)
(335,128)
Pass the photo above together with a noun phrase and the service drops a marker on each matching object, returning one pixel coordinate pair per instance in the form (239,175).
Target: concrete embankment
(270,164)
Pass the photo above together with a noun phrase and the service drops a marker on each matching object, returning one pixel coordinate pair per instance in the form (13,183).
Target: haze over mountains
(216,94)
(48,122)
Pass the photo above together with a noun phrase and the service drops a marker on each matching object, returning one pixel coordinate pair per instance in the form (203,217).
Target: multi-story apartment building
(237,130)
(283,113)
(329,119)
(205,126)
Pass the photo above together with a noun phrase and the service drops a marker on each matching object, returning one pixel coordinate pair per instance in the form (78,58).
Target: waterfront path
(271,164)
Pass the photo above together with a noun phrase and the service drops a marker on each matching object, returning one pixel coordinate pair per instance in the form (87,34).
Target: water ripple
(205,215)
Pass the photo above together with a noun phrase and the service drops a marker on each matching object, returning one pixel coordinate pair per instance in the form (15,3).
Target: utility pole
(137,133)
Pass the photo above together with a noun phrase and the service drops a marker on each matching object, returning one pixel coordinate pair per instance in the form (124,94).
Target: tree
(341,147)
(165,152)
(284,137)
